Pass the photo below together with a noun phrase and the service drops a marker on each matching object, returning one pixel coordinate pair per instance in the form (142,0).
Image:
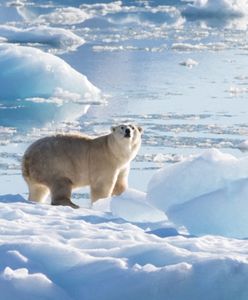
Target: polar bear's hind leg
(61,192)
(37,192)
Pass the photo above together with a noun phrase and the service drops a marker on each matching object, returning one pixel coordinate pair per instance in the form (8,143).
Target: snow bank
(219,8)
(60,38)
(207,194)
(28,73)
(61,253)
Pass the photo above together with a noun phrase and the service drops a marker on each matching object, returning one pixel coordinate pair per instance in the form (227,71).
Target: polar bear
(60,163)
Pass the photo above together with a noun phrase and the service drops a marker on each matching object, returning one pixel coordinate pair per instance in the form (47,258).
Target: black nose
(127,131)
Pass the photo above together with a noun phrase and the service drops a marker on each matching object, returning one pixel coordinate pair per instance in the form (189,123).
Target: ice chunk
(65,16)
(190,63)
(28,73)
(222,212)
(243,146)
(60,38)
(132,206)
(216,8)
(194,177)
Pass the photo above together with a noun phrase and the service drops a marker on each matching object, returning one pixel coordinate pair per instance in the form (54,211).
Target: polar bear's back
(56,156)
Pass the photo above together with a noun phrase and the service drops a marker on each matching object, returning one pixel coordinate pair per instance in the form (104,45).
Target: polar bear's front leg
(121,182)
(102,188)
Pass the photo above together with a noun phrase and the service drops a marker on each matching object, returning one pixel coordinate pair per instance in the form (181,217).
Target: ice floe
(219,8)
(62,39)
(199,47)
(190,63)
(114,48)
(65,16)
(30,75)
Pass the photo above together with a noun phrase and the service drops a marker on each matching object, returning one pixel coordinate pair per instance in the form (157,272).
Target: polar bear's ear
(140,129)
(112,128)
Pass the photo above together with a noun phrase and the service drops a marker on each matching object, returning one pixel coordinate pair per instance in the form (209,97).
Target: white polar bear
(61,163)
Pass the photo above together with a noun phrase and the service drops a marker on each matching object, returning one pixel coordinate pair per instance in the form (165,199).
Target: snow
(61,253)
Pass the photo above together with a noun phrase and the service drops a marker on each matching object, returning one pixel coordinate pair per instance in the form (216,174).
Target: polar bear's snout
(127,133)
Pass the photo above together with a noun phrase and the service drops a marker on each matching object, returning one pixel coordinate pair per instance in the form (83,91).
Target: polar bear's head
(128,132)
(126,140)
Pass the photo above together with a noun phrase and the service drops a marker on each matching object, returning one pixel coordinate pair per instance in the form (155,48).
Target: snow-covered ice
(61,253)
(207,194)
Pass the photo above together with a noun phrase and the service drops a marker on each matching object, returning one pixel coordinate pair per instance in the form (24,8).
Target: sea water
(179,69)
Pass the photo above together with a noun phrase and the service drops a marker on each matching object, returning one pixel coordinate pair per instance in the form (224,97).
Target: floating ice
(113,48)
(71,15)
(190,63)
(235,90)
(243,146)
(198,47)
(60,38)
(219,8)
(65,16)
(28,73)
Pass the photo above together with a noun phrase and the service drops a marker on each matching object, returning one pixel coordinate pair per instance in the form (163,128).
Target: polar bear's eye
(122,127)
(132,127)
